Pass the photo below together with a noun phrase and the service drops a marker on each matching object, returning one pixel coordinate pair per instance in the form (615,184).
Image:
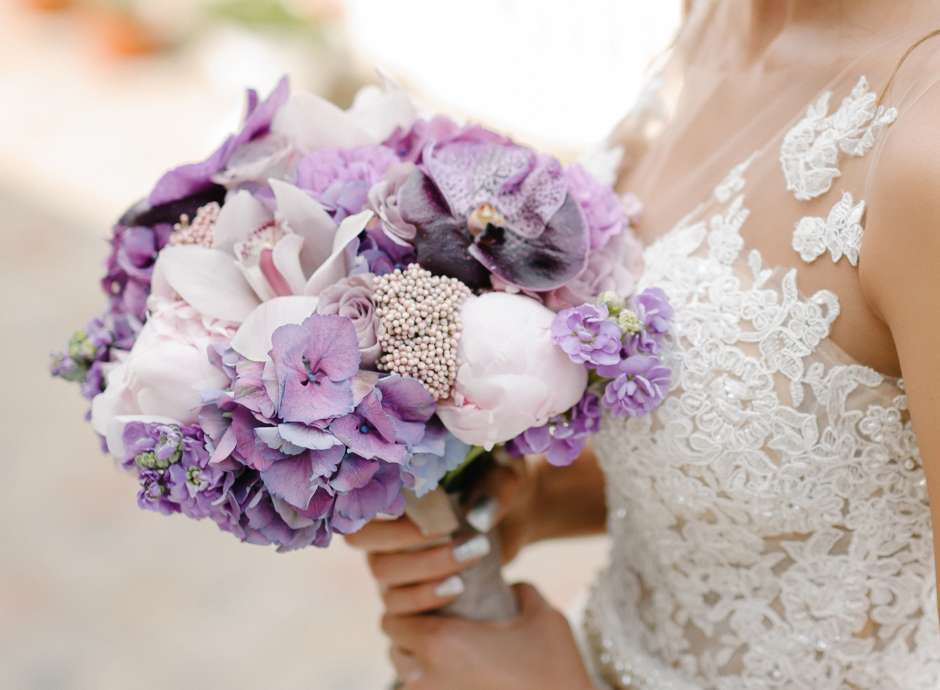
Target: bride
(770,524)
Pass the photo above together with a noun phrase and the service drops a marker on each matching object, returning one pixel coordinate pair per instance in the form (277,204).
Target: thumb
(531,601)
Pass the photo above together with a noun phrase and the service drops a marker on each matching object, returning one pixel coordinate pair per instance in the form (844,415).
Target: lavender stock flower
(564,437)
(587,335)
(654,314)
(639,388)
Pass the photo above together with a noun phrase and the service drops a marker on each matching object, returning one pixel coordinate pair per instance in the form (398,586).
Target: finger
(406,666)
(530,600)
(491,501)
(394,535)
(411,633)
(422,598)
(396,569)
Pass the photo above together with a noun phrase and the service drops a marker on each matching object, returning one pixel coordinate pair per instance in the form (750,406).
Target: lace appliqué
(809,154)
(840,233)
(769,524)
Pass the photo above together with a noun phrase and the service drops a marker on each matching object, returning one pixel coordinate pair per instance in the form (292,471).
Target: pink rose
(352,298)
(510,375)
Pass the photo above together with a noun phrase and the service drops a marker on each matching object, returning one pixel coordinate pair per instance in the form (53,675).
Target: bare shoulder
(900,264)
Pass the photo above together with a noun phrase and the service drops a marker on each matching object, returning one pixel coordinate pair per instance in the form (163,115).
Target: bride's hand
(535,651)
(418,573)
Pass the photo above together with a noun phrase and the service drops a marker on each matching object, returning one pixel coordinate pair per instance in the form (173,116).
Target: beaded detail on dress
(769,523)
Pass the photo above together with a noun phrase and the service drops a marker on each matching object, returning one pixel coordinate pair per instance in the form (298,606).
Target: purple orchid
(588,335)
(486,208)
(314,364)
(639,388)
(193,178)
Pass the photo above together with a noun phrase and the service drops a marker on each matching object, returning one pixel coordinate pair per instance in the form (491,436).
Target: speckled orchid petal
(540,264)
(525,188)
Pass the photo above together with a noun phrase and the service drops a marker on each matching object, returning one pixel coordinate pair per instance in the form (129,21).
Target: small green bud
(629,322)
(612,301)
(147,460)
(81,348)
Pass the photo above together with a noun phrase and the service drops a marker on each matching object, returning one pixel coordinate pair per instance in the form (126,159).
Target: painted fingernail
(451,587)
(471,550)
(482,517)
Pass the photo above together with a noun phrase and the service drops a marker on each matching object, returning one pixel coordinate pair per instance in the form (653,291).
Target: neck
(759,23)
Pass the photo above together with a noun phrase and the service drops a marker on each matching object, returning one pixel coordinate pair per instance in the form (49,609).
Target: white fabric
(769,523)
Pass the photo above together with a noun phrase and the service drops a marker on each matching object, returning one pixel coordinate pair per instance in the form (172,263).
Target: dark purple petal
(442,240)
(543,263)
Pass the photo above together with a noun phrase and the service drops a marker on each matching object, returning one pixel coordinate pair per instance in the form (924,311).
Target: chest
(719,130)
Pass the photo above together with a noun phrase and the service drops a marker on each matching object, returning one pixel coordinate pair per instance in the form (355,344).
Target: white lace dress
(769,523)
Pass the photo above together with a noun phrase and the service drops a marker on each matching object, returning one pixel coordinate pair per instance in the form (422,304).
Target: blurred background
(97,98)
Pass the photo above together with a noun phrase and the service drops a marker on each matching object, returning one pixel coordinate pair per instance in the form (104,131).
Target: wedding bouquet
(337,311)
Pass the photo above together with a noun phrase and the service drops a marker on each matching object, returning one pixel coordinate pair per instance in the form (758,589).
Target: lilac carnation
(639,388)
(587,335)
(603,210)
(409,145)
(340,179)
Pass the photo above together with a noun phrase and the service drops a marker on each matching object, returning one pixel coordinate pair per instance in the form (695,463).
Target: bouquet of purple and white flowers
(326,318)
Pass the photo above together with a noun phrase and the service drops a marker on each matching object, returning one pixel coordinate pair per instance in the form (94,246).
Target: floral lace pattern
(769,523)
(809,154)
(840,233)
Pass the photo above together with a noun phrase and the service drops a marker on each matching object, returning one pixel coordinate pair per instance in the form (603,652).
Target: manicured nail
(451,587)
(471,550)
(482,517)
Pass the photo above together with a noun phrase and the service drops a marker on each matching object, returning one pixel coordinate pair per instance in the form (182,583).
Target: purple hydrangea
(588,335)
(655,315)
(639,388)
(604,211)
(436,454)
(314,363)
(563,439)
(340,179)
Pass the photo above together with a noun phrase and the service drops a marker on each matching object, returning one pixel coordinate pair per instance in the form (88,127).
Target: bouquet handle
(486,596)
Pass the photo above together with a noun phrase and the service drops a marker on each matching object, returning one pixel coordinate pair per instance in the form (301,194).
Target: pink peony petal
(208,280)
(253,339)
